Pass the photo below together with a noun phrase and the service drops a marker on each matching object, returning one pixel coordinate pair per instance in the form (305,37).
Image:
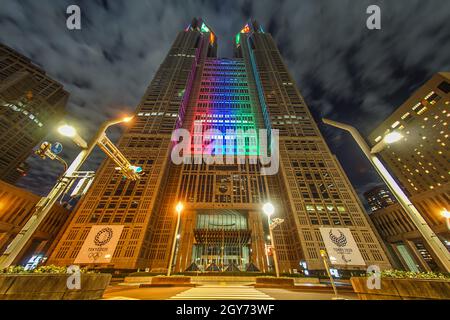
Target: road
(216,292)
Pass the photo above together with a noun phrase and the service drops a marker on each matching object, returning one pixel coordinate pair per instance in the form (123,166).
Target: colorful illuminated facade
(222,103)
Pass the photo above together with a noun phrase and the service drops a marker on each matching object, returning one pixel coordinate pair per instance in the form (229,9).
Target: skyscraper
(379,197)
(16,207)
(421,164)
(30,101)
(222,224)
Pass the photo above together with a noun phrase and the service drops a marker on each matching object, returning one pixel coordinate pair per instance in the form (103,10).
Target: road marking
(222,293)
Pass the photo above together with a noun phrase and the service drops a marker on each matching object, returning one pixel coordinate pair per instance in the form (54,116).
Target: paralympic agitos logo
(340,241)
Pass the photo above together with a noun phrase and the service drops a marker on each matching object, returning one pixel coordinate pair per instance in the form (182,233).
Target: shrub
(40,270)
(400,274)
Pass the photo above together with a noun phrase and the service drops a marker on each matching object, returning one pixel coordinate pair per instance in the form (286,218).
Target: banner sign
(341,247)
(100,244)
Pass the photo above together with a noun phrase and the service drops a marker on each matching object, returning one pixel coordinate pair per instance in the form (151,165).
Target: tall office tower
(379,197)
(16,207)
(222,224)
(30,103)
(421,164)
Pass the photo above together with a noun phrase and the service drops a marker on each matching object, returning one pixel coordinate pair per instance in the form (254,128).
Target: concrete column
(258,241)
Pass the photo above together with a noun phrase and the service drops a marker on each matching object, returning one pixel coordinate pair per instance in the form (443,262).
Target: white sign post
(100,244)
(341,247)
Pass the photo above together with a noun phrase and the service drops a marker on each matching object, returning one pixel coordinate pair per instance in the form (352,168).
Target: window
(444,86)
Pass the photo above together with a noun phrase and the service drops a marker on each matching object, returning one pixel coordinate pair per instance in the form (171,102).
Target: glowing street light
(67,131)
(127,119)
(437,247)
(45,204)
(325,257)
(269,210)
(446,214)
(178,208)
(70,132)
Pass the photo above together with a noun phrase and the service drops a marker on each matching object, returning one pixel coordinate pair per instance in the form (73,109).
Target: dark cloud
(344,71)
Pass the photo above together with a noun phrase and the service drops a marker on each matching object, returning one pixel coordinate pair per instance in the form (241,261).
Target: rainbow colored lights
(224,120)
(246,29)
(204,28)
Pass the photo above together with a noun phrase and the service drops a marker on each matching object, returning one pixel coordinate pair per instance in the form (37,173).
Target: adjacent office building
(30,102)
(222,224)
(16,207)
(379,197)
(421,163)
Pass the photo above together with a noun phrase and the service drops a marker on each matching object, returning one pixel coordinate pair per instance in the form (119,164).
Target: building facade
(421,163)
(16,207)
(222,224)
(30,102)
(379,197)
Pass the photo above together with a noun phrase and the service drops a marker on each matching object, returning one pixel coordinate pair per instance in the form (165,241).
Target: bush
(274,277)
(39,270)
(400,274)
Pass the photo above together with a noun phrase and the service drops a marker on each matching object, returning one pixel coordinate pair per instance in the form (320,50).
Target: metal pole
(172,253)
(274,251)
(438,249)
(44,205)
(327,268)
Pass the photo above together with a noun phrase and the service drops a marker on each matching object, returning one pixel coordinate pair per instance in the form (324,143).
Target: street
(216,292)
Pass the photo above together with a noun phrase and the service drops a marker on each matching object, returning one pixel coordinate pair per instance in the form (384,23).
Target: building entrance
(222,241)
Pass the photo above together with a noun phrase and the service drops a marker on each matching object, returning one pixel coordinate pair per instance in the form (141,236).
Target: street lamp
(446,214)
(71,132)
(437,247)
(324,256)
(67,130)
(178,209)
(44,205)
(269,210)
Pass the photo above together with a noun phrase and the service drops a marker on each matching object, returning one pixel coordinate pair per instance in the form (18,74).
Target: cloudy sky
(345,71)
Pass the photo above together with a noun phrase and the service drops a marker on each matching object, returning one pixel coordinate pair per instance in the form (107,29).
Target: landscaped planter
(170,281)
(262,282)
(402,289)
(51,287)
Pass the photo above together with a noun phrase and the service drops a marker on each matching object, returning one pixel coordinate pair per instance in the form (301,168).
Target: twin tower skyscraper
(222,223)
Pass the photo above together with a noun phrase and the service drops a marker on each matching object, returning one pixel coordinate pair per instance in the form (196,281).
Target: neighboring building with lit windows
(421,163)
(16,207)
(222,224)
(379,197)
(30,103)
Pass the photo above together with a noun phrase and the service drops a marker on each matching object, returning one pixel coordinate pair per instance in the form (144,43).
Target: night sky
(344,71)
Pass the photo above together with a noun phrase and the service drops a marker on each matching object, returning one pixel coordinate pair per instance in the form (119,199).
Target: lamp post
(446,214)
(44,205)
(269,210)
(178,209)
(437,247)
(324,256)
